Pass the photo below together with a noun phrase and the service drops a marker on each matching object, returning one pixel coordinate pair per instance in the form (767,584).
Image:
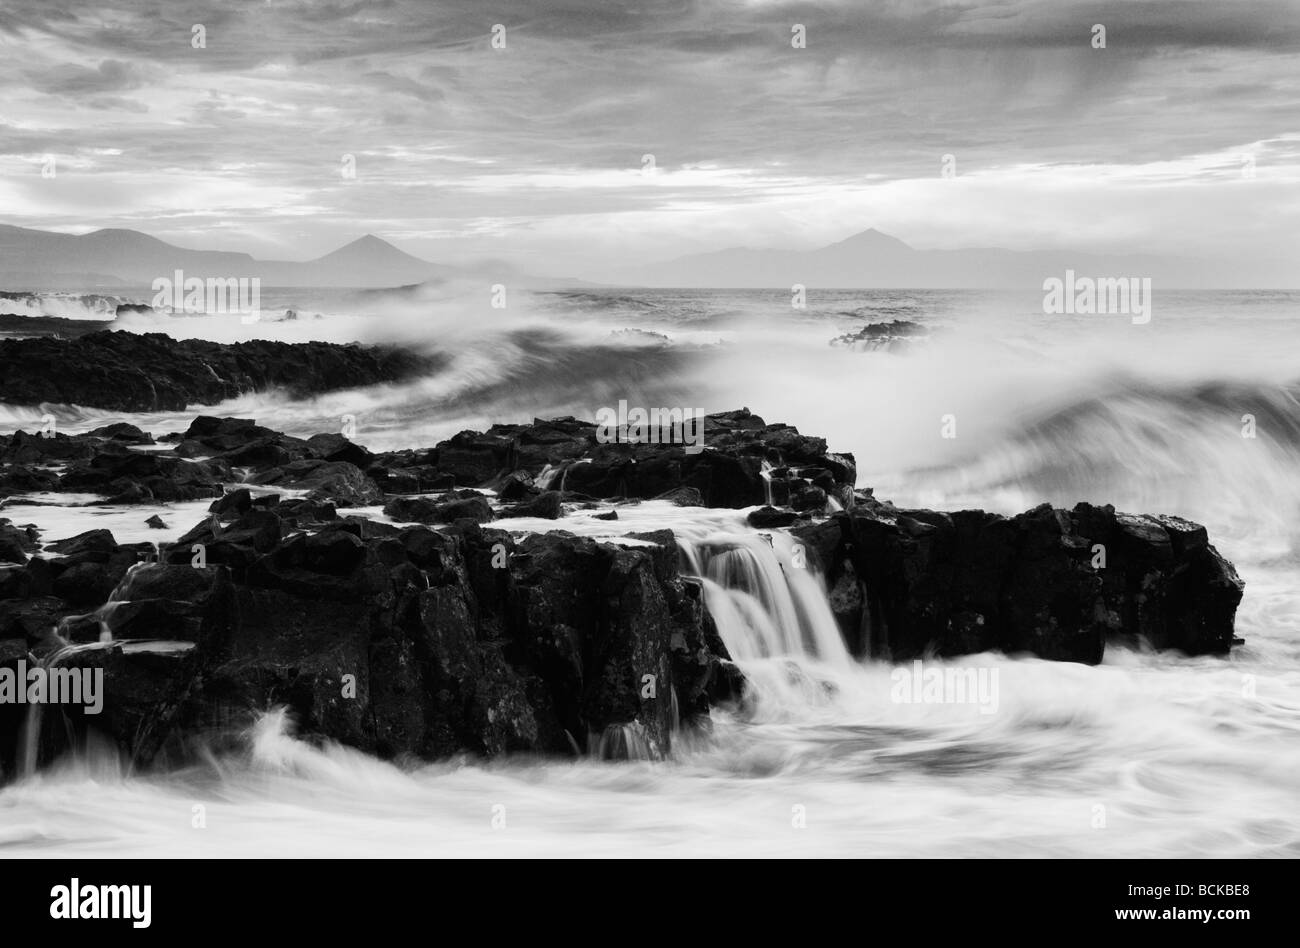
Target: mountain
(369,259)
(871,259)
(45,260)
(37,258)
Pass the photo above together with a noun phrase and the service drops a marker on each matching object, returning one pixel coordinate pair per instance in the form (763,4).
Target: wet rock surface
(438,626)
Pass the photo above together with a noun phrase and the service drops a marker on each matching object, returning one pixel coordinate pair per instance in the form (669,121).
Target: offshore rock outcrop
(125,371)
(897,335)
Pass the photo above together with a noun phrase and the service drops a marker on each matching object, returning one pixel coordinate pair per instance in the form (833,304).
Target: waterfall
(624,742)
(772,612)
(631,741)
(547,475)
(104,614)
(29,742)
(765,472)
(766,599)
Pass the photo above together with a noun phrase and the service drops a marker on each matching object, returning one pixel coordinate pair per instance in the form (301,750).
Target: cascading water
(103,616)
(771,610)
(29,742)
(29,746)
(546,477)
(765,472)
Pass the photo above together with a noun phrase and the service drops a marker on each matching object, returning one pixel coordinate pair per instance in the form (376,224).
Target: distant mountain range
(44,260)
(871,259)
(40,260)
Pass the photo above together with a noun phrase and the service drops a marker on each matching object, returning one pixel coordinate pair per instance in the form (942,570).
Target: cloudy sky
(1181,136)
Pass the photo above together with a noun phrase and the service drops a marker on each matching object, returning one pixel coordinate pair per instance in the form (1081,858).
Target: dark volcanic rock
(126,371)
(338,482)
(232,504)
(99,541)
(969,581)
(728,472)
(460,505)
(422,643)
(765,517)
(405,640)
(15,543)
(121,431)
(335,447)
(546,505)
(894,336)
(59,327)
(682,497)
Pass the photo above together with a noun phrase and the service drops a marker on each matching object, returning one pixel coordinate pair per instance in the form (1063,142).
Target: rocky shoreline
(440,627)
(106,369)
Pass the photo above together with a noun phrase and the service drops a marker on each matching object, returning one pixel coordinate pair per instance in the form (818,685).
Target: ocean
(1001,406)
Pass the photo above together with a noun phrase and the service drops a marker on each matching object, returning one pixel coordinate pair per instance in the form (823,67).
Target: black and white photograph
(677,429)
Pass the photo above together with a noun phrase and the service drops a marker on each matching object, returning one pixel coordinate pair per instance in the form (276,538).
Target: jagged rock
(546,505)
(767,517)
(98,541)
(335,447)
(805,496)
(338,482)
(460,505)
(682,497)
(33,620)
(23,448)
(121,431)
(15,543)
(894,336)
(86,580)
(516,487)
(305,511)
(232,504)
(238,545)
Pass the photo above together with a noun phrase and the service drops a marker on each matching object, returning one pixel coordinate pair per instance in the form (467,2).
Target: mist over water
(1182,756)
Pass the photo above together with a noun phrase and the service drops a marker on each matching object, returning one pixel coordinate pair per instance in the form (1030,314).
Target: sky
(1180,136)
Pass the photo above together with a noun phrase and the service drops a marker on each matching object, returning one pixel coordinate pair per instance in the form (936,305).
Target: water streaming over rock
(770,607)
(30,741)
(103,616)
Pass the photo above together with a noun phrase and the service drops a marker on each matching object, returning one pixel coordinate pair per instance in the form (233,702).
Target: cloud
(112,75)
(535,148)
